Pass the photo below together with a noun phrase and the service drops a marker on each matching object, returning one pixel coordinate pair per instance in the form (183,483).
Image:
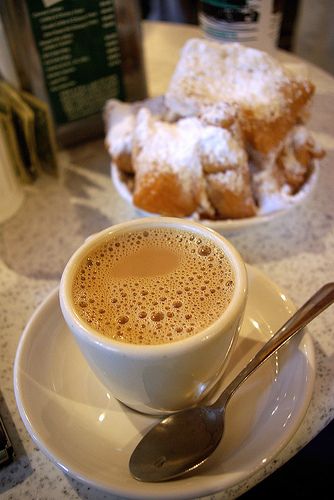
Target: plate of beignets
(227,144)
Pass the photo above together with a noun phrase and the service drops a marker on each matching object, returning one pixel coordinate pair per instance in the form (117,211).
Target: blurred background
(302,27)
(306,25)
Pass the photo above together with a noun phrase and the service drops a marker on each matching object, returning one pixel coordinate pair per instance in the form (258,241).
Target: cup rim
(85,332)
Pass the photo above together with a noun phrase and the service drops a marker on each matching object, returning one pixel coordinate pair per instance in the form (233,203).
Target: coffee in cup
(152,286)
(155,306)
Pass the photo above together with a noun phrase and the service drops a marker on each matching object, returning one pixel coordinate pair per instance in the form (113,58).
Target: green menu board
(78,46)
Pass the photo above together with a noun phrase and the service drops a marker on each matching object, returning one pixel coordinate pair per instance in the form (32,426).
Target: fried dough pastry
(231,194)
(120,120)
(168,174)
(294,162)
(227,141)
(268,97)
(173,163)
(285,170)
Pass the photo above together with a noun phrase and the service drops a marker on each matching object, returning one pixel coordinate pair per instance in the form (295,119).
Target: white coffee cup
(162,378)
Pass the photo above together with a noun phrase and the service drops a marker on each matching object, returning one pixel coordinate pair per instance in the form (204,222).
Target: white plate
(90,435)
(284,204)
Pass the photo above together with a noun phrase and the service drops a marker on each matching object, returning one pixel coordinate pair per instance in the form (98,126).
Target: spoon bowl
(206,426)
(184,440)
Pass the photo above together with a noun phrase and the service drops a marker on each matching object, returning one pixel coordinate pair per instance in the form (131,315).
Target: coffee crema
(153,286)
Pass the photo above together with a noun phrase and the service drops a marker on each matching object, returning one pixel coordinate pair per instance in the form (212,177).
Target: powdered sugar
(232,179)
(171,147)
(209,72)
(183,147)
(273,199)
(198,147)
(221,114)
(271,195)
(190,149)
(301,135)
(120,119)
(119,137)
(218,148)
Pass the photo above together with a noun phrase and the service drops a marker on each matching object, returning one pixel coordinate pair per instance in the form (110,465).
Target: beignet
(294,163)
(227,140)
(231,195)
(120,120)
(268,97)
(168,174)
(171,161)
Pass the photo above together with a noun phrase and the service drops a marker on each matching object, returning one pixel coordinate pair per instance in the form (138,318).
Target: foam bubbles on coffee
(154,286)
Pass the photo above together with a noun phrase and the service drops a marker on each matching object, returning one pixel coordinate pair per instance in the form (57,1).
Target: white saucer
(281,206)
(90,435)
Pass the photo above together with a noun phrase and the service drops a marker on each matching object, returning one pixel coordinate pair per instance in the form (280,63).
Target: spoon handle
(314,306)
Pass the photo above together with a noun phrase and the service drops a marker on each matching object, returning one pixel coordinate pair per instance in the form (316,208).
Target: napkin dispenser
(75,56)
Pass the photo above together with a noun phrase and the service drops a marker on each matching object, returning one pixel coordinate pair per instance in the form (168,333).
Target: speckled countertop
(296,252)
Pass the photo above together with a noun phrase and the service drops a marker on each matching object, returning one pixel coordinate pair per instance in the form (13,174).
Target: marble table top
(296,252)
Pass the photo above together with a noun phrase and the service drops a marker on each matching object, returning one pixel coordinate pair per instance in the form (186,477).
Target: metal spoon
(184,440)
